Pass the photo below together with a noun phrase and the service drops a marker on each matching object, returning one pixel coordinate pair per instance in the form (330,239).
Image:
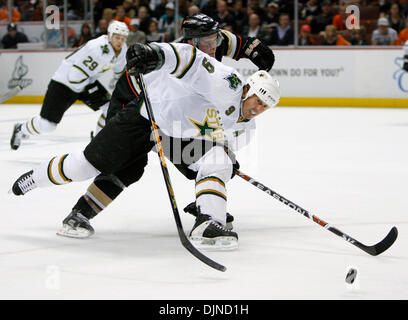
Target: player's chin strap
(373,250)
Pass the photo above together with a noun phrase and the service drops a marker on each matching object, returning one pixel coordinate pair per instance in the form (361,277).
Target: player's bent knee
(44,125)
(78,168)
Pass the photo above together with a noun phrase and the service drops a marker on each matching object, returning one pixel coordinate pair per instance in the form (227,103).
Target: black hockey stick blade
(188,245)
(383,245)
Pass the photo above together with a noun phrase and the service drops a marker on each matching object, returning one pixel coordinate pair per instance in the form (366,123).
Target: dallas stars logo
(204,128)
(105,49)
(233,81)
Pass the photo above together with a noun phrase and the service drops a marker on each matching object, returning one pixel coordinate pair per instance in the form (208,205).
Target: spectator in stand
(167,22)
(395,19)
(15,14)
(283,35)
(38,11)
(305,39)
(210,8)
(254,4)
(13,37)
(26,9)
(310,9)
(325,18)
(384,35)
(159,9)
(84,37)
(340,18)
(358,37)
(144,18)
(403,35)
(108,15)
(331,38)
(102,28)
(272,13)
(238,12)
(130,10)
(254,29)
(121,16)
(135,35)
(154,35)
(223,16)
(192,10)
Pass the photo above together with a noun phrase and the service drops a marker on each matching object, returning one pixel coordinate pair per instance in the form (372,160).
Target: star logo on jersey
(105,49)
(210,127)
(233,81)
(204,128)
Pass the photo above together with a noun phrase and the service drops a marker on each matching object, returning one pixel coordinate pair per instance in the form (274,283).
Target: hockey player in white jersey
(77,79)
(193,97)
(205,34)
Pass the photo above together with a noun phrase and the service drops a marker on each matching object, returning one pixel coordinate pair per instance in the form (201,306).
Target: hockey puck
(351,275)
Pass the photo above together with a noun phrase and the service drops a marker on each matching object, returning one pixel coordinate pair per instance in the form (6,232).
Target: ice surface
(347,166)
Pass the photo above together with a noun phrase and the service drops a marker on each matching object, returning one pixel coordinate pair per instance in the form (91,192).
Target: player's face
(253,106)
(118,41)
(209,44)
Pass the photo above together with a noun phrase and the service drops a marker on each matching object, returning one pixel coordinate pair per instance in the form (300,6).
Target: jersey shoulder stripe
(177,58)
(189,64)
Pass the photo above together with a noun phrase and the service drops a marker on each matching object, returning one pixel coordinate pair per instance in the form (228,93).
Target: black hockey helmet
(198,25)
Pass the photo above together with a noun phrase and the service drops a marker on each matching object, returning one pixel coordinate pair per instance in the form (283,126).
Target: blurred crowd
(321,22)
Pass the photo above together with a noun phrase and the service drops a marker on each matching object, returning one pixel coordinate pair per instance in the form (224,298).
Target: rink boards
(347,77)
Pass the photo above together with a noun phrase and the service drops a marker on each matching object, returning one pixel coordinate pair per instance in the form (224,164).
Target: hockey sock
(37,125)
(64,169)
(102,192)
(211,198)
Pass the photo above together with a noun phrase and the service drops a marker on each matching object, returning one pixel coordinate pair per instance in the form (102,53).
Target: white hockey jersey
(86,64)
(194,95)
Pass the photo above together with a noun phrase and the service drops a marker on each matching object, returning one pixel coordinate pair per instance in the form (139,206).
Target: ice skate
(192,209)
(208,234)
(17,136)
(23,184)
(75,225)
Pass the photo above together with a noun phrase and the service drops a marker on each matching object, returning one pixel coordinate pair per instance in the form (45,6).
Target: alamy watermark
(53,18)
(353,19)
(52,278)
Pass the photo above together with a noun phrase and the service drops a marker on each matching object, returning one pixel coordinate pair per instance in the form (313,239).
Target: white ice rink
(347,166)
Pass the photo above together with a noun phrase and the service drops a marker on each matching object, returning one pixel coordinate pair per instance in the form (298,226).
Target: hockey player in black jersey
(204,33)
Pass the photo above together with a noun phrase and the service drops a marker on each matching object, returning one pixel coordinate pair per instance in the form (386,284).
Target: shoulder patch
(105,49)
(233,81)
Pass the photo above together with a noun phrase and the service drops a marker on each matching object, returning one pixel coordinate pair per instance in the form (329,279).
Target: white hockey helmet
(118,28)
(265,87)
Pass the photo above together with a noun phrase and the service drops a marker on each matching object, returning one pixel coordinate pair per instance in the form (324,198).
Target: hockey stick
(183,238)
(374,250)
(9,94)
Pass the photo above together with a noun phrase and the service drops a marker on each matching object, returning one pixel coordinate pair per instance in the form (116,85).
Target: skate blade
(79,233)
(216,244)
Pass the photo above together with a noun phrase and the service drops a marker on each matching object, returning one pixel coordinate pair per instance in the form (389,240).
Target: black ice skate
(75,225)
(192,209)
(23,184)
(17,136)
(208,234)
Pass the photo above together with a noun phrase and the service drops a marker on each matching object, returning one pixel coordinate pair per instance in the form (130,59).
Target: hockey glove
(405,66)
(235,163)
(258,53)
(95,95)
(144,58)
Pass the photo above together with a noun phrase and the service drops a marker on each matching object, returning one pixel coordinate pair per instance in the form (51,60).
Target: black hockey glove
(405,66)
(144,58)
(258,53)
(232,156)
(95,95)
